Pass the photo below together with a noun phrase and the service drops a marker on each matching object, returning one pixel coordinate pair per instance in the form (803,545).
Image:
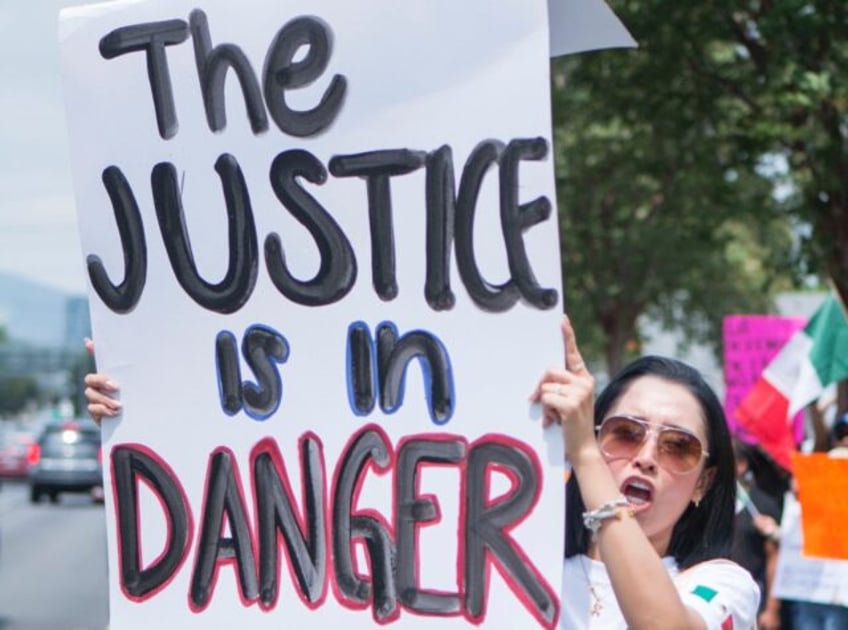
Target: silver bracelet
(593,519)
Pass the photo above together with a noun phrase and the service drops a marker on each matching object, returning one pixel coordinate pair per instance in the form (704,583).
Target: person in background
(815,615)
(840,437)
(756,535)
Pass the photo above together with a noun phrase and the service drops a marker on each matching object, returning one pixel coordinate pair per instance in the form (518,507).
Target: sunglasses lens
(621,437)
(681,451)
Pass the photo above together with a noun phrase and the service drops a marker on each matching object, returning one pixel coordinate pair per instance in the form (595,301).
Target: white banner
(324,268)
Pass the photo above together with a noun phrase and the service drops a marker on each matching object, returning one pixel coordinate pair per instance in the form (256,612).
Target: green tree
(779,66)
(785,78)
(82,364)
(16,393)
(664,211)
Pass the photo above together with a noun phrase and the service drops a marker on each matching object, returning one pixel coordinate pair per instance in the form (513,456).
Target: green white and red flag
(813,358)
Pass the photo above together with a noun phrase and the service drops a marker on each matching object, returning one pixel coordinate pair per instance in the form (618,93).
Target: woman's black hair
(702,532)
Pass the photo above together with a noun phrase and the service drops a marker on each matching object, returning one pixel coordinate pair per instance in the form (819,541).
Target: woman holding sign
(650,502)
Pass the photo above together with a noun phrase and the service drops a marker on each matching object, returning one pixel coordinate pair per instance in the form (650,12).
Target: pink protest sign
(750,343)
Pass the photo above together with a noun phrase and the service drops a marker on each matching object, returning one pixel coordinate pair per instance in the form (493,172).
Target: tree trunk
(618,328)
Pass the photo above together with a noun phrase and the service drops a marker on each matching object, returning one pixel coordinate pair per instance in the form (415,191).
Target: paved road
(52,563)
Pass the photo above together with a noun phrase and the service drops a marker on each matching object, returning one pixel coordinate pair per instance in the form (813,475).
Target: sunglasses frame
(652,428)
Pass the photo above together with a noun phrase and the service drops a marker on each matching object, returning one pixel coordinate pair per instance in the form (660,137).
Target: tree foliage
(783,74)
(670,158)
(17,393)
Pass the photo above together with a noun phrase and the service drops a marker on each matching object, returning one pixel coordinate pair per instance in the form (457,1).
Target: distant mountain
(35,313)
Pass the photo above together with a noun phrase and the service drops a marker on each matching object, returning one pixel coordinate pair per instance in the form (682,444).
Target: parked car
(15,445)
(66,458)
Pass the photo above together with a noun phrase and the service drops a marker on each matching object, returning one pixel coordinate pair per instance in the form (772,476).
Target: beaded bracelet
(593,519)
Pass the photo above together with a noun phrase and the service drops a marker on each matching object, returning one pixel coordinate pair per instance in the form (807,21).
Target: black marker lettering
(152,38)
(233,291)
(124,297)
(394,355)
(370,446)
(516,218)
(224,498)
(487,529)
(263,348)
(212,66)
(441,212)
(377,168)
(130,464)
(229,372)
(337,271)
(360,369)
(411,510)
(488,297)
(305,536)
(282,73)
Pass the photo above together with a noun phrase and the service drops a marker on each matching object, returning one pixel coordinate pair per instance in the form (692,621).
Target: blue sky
(38,230)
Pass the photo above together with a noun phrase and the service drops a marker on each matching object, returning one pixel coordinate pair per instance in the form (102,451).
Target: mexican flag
(813,358)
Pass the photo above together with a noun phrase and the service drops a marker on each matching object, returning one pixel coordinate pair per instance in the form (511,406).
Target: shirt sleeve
(722,593)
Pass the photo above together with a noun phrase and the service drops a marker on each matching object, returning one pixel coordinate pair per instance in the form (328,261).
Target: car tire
(34,494)
(54,497)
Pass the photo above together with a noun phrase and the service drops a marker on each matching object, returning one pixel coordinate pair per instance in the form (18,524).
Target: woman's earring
(697,502)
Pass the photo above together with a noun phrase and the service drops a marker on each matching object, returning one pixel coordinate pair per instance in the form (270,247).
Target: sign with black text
(324,269)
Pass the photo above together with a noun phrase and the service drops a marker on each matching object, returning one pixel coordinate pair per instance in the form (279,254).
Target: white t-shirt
(720,591)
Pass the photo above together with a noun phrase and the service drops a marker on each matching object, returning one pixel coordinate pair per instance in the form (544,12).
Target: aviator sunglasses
(622,437)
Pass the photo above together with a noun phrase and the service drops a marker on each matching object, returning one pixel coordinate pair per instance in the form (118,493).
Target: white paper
(582,25)
(420,76)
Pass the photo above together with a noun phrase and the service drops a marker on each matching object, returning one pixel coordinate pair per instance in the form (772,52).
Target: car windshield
(70,443)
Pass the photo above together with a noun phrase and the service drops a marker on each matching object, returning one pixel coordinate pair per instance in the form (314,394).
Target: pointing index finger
(573,359)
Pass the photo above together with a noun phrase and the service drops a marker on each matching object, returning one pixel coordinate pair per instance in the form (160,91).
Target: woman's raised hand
(567,395)
(99,392)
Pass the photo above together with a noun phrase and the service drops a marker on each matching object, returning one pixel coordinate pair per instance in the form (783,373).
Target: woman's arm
(646,595)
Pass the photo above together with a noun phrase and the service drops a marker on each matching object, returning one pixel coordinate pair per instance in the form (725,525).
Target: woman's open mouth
(637,492)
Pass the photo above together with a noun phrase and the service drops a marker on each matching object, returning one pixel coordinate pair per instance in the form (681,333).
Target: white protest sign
(799,577)
(324,267)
